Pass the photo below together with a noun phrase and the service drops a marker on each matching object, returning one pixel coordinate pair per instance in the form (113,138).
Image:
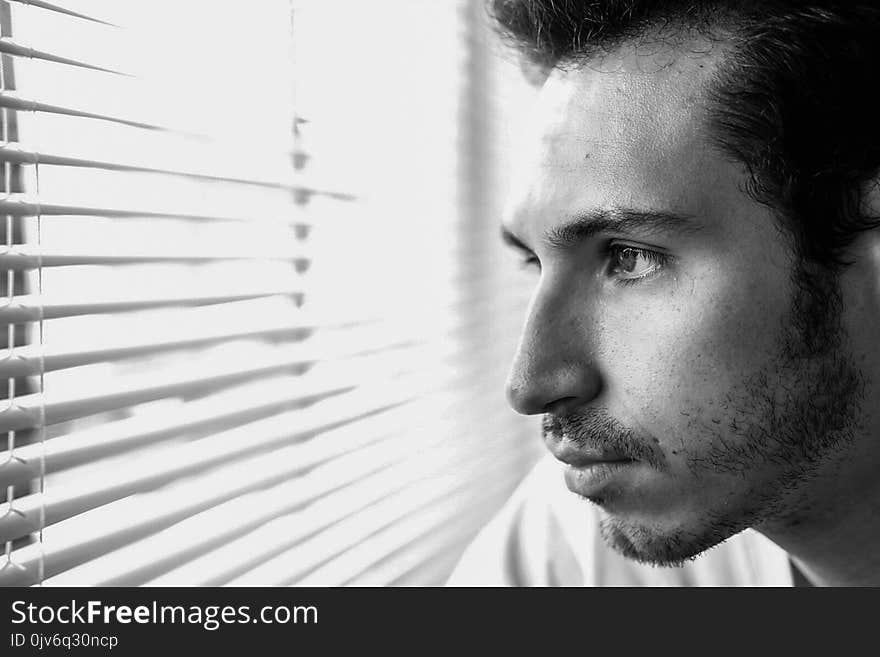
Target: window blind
(233,356)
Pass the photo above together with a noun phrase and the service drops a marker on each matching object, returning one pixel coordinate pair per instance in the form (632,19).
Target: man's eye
(630,264)
(529,262)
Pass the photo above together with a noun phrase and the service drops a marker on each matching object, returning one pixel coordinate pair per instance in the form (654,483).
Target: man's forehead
(605,133)
(625,98)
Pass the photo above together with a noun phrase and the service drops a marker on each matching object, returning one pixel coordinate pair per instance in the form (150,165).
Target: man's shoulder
(546,536)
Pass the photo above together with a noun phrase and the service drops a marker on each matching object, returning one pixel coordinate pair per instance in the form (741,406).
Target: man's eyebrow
(615,220)
(619,220)
(513,241)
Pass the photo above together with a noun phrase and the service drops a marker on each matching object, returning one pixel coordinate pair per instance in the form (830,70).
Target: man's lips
(589,470)
(579,457)
(589,481)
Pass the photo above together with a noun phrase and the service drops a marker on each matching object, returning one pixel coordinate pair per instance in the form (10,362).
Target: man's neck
(837,542)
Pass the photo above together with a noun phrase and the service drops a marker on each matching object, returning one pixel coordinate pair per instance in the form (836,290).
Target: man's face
(665,339)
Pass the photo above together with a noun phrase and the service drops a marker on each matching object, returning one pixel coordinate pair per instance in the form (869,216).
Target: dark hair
(794,98)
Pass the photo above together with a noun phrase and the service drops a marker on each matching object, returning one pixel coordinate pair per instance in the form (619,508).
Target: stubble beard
(793,418)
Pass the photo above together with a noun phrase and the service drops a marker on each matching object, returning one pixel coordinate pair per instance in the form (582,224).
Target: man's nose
(554,369)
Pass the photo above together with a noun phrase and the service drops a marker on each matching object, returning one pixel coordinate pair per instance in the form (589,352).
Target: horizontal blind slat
(21,257)
(22,208)
(33,308)
(45,409)
(9,47)
(30,361)
(14,102)
(15,154)
(42,4)
(228,409)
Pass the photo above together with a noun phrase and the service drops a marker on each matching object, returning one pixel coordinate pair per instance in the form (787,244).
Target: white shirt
(547,536)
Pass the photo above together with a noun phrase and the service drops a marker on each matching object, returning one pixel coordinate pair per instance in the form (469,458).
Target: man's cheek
(680,360)
(658,344)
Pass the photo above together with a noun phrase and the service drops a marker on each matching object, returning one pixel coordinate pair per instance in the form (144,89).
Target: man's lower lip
(588,480)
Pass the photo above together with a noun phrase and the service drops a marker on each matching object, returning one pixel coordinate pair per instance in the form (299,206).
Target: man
(700,204)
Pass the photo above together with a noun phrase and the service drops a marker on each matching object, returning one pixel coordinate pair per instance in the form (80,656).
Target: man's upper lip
(581,457)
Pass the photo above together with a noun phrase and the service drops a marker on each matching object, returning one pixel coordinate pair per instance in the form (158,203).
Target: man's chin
(656,545)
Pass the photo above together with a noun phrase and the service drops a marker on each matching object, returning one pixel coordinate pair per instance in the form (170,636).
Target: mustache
(596,429)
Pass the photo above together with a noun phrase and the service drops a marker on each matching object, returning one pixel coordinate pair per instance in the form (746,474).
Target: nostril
(563,406)
(560,391)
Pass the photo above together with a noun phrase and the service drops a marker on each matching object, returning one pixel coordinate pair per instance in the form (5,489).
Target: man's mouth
(579,457)
(589,470)
(589,480)
(600,453)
